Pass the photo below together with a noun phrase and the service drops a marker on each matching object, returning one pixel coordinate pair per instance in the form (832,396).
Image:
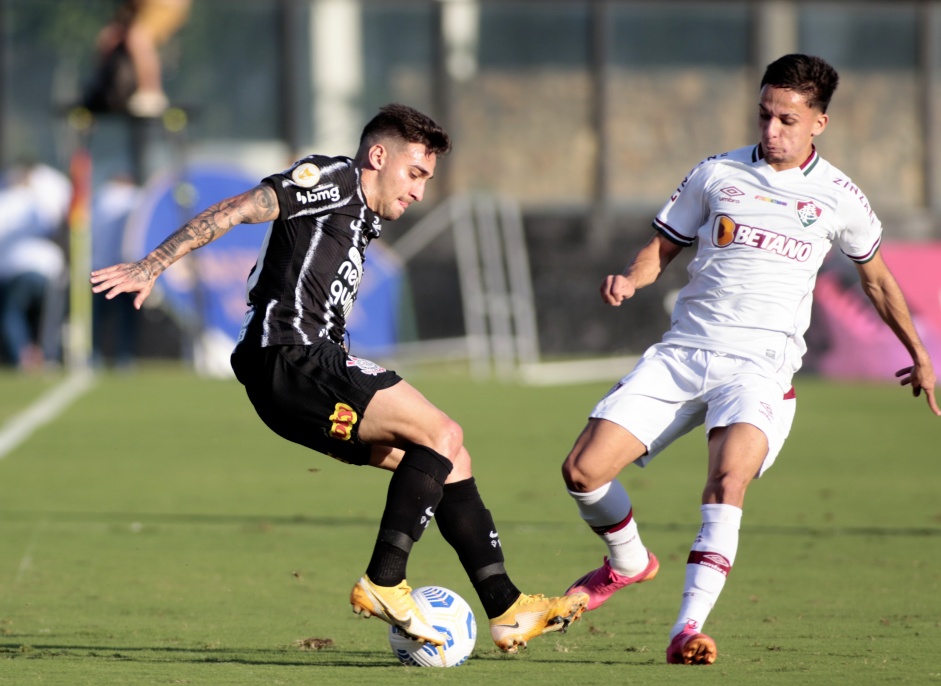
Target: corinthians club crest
(808,212)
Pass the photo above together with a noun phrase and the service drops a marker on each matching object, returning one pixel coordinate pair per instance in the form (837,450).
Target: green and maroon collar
(807,166)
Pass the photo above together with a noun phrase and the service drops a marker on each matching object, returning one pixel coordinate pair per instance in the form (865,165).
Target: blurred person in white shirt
(33,207)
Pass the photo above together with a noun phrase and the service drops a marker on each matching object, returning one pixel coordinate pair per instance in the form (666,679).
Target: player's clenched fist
(616,288)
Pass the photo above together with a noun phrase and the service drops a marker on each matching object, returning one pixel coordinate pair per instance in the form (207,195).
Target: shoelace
(399,593)
(530,599)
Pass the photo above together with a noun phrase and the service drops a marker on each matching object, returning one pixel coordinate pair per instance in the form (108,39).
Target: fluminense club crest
(808,212)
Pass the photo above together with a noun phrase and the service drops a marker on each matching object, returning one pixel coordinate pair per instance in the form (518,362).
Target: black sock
(414,492)
(468,527)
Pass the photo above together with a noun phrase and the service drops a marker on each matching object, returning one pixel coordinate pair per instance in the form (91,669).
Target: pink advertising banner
(848,339)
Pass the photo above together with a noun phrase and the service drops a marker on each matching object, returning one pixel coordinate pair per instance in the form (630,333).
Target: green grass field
(158,533)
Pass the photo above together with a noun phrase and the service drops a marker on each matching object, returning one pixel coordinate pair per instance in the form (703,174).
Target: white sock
(607,510)
(710,560)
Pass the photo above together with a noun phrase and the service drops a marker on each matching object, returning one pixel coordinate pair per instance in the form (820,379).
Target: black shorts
(314,395)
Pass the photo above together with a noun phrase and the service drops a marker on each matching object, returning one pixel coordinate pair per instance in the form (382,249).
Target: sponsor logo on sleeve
(306,175)
(322,194)
(852,188)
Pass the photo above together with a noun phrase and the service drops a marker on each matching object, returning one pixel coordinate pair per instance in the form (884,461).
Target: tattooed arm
(260,204)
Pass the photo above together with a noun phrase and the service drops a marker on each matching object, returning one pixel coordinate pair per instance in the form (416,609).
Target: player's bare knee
(577,480)
(446,438)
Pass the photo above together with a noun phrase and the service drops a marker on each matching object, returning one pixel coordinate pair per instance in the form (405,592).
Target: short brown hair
(407,124)
(810,76)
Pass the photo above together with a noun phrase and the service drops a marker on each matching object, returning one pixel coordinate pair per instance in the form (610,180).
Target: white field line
(20,427)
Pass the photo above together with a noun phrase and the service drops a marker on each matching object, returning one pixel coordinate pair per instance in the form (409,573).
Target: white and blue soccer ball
(451,616)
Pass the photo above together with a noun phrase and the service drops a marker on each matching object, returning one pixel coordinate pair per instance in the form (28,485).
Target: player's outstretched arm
(646,268)
(260,204)
(884,292)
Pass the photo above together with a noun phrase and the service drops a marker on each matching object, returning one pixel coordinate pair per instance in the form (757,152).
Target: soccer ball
(450,615)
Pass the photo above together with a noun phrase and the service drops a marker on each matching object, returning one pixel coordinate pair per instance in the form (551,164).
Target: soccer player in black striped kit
(292,359)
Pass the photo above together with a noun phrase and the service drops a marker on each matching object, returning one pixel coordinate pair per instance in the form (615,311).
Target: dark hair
(407,124)
(810,76)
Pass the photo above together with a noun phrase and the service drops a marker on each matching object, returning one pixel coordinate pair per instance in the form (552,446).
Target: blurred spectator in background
(34,202)
(114,329)
(129,69)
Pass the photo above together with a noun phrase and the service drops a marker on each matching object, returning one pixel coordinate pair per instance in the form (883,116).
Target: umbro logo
(731,194)
(715,561)
(426,518)
(716,558)
(766,410)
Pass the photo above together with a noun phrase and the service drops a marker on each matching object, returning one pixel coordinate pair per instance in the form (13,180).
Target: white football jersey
(763,235)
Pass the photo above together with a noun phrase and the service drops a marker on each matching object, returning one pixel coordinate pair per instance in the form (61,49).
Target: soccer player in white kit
(765,217)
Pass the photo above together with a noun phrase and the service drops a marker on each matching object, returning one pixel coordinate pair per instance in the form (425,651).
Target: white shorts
(674,389)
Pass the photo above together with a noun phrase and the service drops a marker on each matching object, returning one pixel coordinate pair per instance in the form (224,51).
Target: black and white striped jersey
(304,283)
